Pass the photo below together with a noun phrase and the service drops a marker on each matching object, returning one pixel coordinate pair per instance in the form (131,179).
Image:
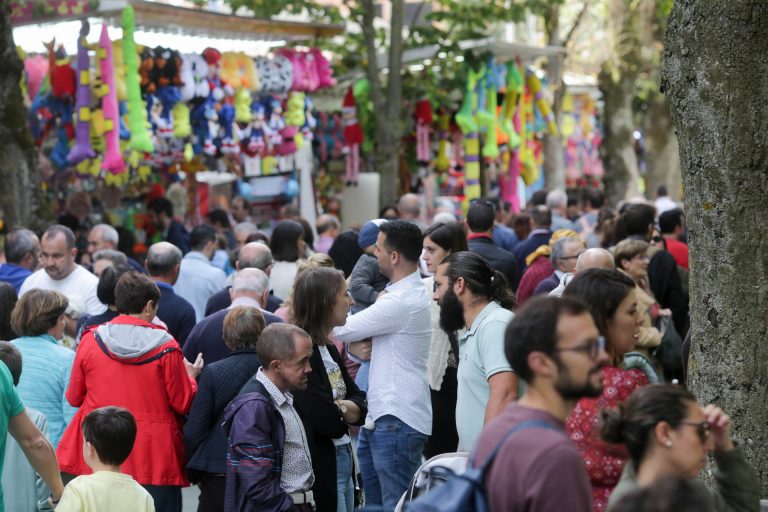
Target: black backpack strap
(109,354)
(517,428)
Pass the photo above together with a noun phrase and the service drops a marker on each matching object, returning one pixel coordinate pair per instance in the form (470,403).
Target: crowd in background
(307,367)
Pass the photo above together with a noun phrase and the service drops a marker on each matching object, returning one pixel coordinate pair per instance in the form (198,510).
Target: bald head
(595,258)
(409,206)
(163,260)
(255,255)
(252,283)
(328,225)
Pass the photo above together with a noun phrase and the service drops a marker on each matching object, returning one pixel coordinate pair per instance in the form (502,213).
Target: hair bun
(612,424)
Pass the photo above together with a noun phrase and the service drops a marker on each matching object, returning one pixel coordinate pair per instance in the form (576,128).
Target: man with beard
(475,299)
(554,346)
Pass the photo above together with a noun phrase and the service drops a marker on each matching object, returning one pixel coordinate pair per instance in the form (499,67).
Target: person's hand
(361,349)
(194,369)
(665,312)
(719,427)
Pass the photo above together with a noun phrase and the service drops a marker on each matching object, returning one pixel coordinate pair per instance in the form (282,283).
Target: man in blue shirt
(22,255)
(198,278)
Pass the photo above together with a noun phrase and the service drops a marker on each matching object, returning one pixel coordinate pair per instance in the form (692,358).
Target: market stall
(124,94)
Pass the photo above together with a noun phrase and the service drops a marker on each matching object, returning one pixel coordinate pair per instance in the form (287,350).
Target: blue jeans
(389,456)
(362,376)
(345,501)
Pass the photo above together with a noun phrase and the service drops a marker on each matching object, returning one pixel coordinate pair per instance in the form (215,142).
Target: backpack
(465,492)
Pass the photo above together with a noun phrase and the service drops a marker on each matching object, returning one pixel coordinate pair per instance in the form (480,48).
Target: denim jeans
(362,376)
(345,501)
(389,456)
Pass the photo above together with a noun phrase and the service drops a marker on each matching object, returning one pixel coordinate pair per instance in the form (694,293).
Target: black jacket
(526,247)
(499,259)
(207,337)
(176,312)
(665,284)
(323,423)
(178,236)
(220,382)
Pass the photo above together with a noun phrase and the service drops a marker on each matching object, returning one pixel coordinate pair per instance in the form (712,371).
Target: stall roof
(502,50)
(164,18)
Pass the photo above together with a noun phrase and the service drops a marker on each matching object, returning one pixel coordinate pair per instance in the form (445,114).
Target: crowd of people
(315,368)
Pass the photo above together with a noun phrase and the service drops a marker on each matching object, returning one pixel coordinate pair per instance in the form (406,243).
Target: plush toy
(323,69)
(212,58)
(238,70)
(423,115)
(226,122)
(61,73)
(443,125)
(353,137)
(147,70)
(534,86)
(137,120)
(113,158)
(514,89)
(276,122)
(181,123)
(275,75)
(119,70)
(491,146)
(82,148)
(36,69)
(471,138)
(194,74)
(169,96)
(310,123)
(243,106)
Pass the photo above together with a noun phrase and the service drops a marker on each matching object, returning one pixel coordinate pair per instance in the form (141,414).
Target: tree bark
(617,84)
(715,75)
(388,102)
(20,194)
(662,155)
(554,156)
(617,149)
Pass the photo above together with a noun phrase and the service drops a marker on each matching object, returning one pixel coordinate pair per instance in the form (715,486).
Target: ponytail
(500,291)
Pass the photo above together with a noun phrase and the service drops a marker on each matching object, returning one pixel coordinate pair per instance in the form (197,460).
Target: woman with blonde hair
(39,319)
(317,260)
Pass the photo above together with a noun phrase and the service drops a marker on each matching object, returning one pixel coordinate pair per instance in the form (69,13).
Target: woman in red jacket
(131,363)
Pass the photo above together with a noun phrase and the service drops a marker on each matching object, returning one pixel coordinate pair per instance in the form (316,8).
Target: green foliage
(270,8)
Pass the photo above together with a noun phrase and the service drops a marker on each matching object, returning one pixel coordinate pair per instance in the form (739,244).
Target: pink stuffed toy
(423,115)
(323,69)
(113,158)
(353,138)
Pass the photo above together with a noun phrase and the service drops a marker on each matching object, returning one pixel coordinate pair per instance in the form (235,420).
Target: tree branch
(576,23)
(372,68)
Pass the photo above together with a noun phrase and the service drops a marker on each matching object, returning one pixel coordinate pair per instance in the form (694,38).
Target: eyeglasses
(571,257)
(592,349)
(702,428)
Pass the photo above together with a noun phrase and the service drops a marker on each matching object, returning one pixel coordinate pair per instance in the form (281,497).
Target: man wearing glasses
(554,347)
(565,253)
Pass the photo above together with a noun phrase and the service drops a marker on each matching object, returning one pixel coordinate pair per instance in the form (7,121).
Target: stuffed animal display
(123,107)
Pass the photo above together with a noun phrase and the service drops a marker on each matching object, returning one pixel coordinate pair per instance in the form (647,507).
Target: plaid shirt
(539,270)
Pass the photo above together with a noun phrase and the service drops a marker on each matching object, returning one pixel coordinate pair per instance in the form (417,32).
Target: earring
(668,444)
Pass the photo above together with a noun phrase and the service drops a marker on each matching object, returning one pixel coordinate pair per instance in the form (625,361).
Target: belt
(302,497)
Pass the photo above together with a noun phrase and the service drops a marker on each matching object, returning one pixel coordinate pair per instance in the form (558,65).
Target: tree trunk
(617,149)
(715,75)
(662,155)
(20,194)
(387,102)
(554,153)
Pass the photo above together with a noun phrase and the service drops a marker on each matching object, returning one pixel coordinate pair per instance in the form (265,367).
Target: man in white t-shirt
(59,271)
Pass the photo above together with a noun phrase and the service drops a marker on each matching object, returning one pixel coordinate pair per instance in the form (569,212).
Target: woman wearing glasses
(667,434)
(611,298)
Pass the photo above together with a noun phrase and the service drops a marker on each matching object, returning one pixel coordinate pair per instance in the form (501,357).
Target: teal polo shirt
(481,352)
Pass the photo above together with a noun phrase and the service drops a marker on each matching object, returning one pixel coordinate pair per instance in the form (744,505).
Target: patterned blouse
(604,461)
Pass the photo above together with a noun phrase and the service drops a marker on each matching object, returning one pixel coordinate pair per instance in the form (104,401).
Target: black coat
(499,259)
(220,382)
(323,423)
(177,313)
(526,247)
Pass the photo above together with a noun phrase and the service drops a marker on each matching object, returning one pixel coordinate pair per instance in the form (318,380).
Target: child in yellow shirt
(108,437)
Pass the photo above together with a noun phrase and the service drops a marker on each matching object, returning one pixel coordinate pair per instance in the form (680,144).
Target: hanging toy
(137,117)
(82,149)
(423,116)
(310,123)
(469,127)
(227,122)
(353,137)
(323,69)
(194,74)
(294,116)
(113,158)
(491,146)
(534,86)
(514,89)
(443,124)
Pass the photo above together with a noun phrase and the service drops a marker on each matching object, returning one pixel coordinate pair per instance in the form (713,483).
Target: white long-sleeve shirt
(400,326)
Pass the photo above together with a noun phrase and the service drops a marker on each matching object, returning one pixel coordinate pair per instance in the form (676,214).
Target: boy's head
(11,356)
(366,239)
(108,436)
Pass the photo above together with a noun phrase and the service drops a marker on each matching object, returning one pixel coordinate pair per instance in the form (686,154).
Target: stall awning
(183,23)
